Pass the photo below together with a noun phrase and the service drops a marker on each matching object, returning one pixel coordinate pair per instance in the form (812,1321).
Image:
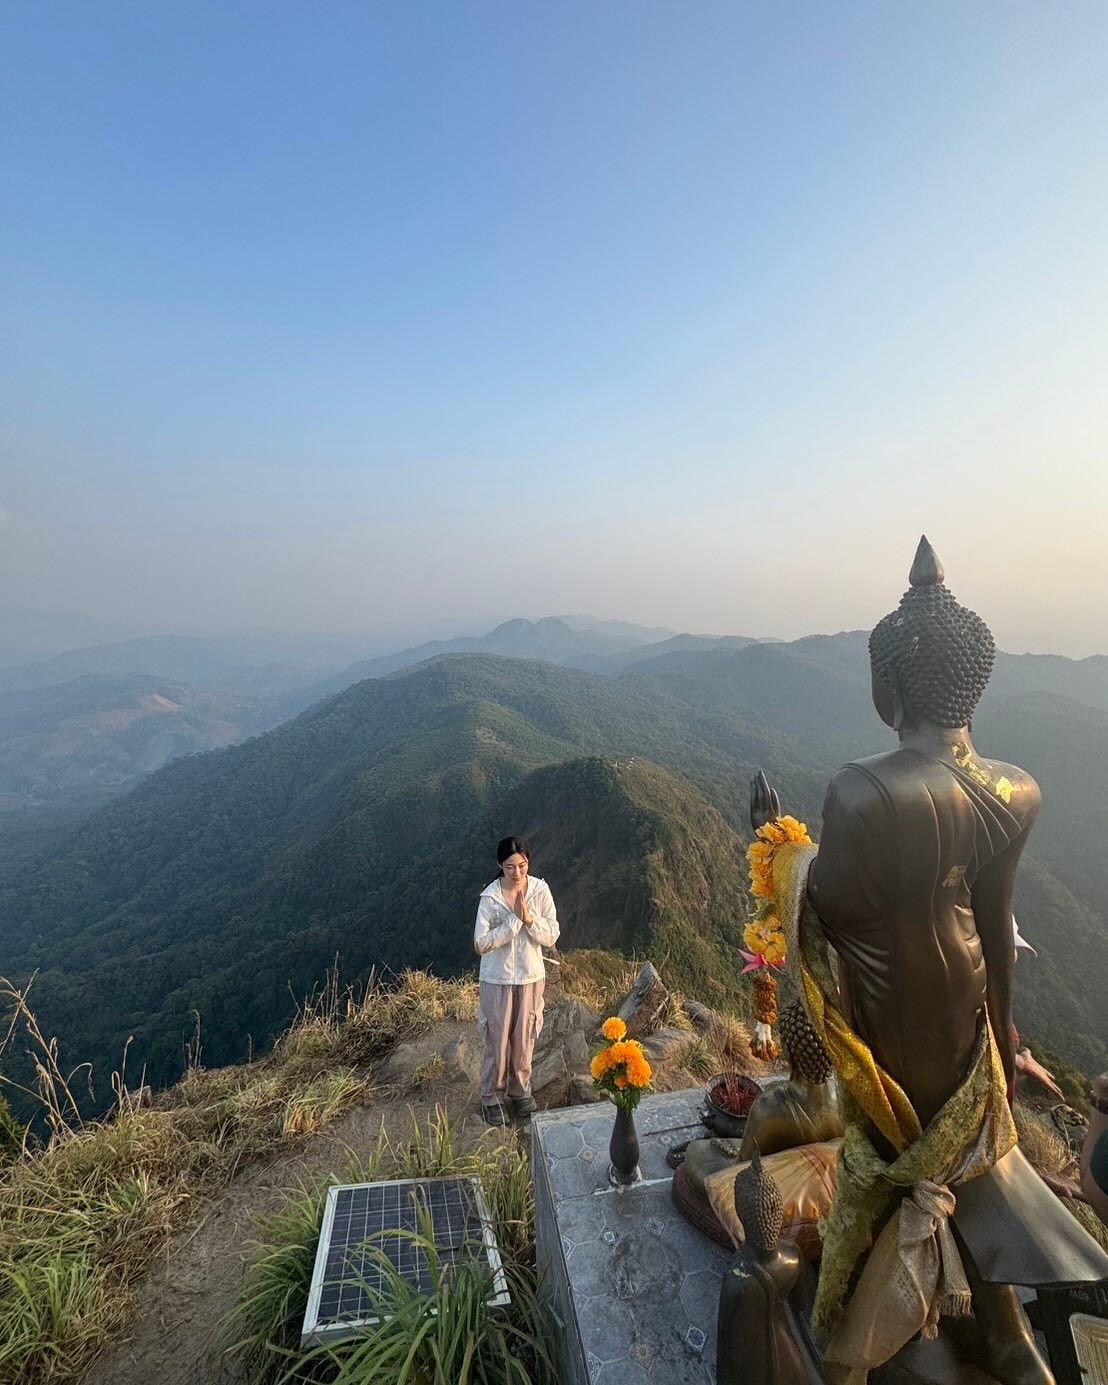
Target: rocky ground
(181,1303)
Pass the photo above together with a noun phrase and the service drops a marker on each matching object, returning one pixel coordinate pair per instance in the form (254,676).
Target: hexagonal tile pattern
(611,1336)
(697,1290)
(589,1266)
(571,1178)
(580,1220)
(563,1142)
(696,1252)
(637,1286)
(642,1353)
(622,1373)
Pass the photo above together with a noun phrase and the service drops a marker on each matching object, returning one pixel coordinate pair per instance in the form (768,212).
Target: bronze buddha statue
(802,1110)
(901,926)
(759,1338)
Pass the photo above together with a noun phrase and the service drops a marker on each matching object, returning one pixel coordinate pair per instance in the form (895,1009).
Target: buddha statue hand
(765,804)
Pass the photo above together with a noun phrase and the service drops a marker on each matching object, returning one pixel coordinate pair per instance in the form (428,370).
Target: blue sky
(415,317)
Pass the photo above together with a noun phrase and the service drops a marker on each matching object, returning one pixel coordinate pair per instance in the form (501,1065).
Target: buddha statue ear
(899,711)
(888,698)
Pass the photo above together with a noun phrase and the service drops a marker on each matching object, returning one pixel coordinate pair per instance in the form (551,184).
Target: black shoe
(493,1113)
(524,1106)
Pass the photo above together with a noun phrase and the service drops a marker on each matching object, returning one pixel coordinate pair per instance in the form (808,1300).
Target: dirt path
(182,1301)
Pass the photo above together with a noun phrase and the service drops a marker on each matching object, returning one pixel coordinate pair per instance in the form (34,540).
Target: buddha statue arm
(850,843)
(991,898)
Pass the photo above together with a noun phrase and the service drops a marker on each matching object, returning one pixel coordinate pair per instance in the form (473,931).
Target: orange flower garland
(621,1068)
(763,935)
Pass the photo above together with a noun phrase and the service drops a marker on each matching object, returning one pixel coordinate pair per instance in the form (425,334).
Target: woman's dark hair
(508,846)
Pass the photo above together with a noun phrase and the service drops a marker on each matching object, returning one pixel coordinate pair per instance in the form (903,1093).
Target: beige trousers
(509,1020)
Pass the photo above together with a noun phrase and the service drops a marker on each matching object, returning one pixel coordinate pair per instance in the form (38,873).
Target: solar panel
(349,1277)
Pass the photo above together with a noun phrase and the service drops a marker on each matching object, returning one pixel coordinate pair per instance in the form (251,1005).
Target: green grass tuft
(463,1340)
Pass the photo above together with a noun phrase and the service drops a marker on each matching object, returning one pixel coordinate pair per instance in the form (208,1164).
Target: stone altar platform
(636,1287)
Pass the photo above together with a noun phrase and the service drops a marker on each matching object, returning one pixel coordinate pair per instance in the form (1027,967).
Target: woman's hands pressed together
(517,901)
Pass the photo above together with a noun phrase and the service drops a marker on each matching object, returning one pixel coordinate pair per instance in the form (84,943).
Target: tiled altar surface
(636,1287)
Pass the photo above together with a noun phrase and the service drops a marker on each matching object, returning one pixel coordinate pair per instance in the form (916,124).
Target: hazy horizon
(380,642)
(410,320)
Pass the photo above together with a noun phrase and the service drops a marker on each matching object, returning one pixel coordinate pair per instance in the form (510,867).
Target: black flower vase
(623,1149)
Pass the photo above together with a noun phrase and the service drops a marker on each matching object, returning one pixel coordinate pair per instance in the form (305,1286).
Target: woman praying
(516,919)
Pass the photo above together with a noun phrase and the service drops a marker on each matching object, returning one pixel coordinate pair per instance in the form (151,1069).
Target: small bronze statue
(803,1110)
(759,1339)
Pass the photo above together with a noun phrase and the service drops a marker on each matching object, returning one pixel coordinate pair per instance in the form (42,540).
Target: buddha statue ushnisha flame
(899,935)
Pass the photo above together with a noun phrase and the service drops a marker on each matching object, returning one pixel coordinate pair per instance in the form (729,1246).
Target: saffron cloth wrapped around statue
(897,929)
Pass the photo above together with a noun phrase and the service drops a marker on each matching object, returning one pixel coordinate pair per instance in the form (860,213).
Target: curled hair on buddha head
(758,1204)
(938,652)
(509,846)
(807,1054)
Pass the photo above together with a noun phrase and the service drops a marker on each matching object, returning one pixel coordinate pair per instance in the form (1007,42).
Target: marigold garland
(763,935)
(621,1068)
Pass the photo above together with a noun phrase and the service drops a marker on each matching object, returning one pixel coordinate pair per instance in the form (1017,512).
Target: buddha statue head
(758,1205)
(931,658)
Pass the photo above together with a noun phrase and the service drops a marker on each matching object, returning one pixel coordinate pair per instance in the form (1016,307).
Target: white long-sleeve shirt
(511,951)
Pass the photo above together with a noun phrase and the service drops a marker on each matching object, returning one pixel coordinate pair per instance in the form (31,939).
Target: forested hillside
(70,747)
(365,828)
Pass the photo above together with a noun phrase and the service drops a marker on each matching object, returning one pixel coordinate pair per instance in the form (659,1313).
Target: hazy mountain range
(364,826)
(80,727)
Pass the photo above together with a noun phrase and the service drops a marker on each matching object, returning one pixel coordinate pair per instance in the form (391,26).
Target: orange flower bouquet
(621,1068)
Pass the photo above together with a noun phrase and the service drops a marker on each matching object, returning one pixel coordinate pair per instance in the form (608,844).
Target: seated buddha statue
(759,1338)
(899,930)
(802,1110)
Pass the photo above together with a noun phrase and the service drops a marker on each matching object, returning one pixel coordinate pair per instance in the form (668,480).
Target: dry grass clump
(599,980)
(673,1013)
(307,1111)
(730,1041)
(1088,1219)
(698,1057)
(1041,1144)
(1050,1154)
(431,1071)
(82,1214)
(374,1024)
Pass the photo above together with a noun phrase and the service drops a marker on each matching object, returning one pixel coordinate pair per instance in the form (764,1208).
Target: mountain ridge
(361,827)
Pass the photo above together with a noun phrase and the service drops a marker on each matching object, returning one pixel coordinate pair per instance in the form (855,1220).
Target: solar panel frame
(323,1318)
